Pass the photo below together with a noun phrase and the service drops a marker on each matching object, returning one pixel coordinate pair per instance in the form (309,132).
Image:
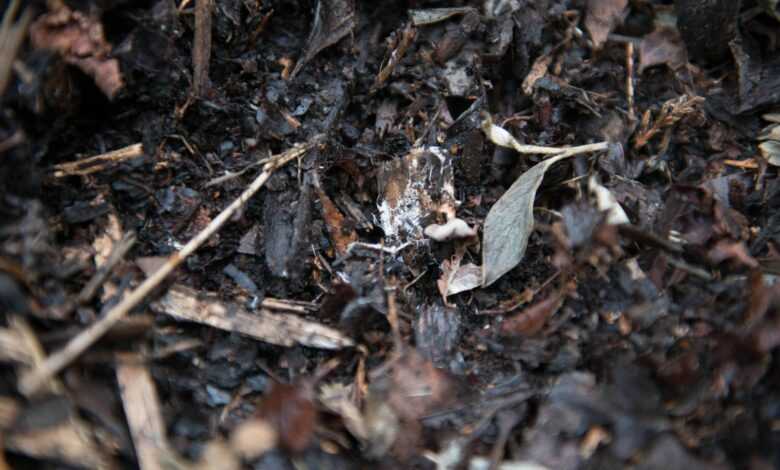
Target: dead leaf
(538,70)
(771,151)
(80,40)
(292,414)
(662,46)
(531,320)
(602,17)
(333,19)
(341,233)
(510,222)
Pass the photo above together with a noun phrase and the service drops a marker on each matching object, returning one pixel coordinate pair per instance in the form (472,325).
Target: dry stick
(11,38)
(201,47)
(31,381)
(119,251)
(98,162)
(630,81)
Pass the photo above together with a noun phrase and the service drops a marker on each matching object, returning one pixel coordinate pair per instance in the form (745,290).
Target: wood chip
(142,408)
(280,329)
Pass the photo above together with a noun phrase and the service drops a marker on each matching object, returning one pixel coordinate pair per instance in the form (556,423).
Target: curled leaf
(510,222)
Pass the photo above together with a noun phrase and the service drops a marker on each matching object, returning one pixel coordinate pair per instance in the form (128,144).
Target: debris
(333,19)
(672,111)
(509,223)
(142,409)
(97,163)
(80,40)
(33,380)
(452,230)
(274,328)
(606,202)
(201,47)
(662,47)
(407,37)
(413,187)
(602,17)
(12,33)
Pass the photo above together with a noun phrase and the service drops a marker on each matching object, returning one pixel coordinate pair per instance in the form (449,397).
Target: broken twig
(98,162)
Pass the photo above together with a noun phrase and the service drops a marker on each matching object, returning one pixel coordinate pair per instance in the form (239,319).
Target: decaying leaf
(340,232)
(510,222)
(531,320)
(662,46)
(413,187)
(602,17)
(79,38)
(333,19)
(291,412)
(276,328)
(435,15)
(770,135)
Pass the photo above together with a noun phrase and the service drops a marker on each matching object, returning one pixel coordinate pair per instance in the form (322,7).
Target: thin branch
(97,163)
(31,381)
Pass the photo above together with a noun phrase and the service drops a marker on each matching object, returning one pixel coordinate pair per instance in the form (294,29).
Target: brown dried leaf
(602,17)
(531,320)
(79,38)
(291,412)
(662,46)
(333,19)
(340,231)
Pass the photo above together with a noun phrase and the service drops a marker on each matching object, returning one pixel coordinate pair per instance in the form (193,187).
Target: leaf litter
(334,234)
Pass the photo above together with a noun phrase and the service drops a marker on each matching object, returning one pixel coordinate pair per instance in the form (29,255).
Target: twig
(407,36)
(201,47)
(392,318)
(117,253)
(11,37)
(98,162)
(377,247)
(30,382)
(501,137)
(630,81)
(142,408)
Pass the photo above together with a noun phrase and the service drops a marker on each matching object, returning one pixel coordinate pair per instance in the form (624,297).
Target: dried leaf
(771,151)
(662,46)
(79,38)
(510,222)
(602,17)
(436,15)
(341,233)
(531,320)
(292,414)
(275,328)
(333,19)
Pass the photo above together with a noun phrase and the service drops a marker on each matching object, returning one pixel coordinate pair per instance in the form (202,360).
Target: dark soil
(647,345)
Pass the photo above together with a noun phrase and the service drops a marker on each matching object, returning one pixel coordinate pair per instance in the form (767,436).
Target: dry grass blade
(31,382)
(11,37)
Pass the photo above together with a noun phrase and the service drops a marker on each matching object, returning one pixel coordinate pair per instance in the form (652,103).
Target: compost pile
(326,234)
